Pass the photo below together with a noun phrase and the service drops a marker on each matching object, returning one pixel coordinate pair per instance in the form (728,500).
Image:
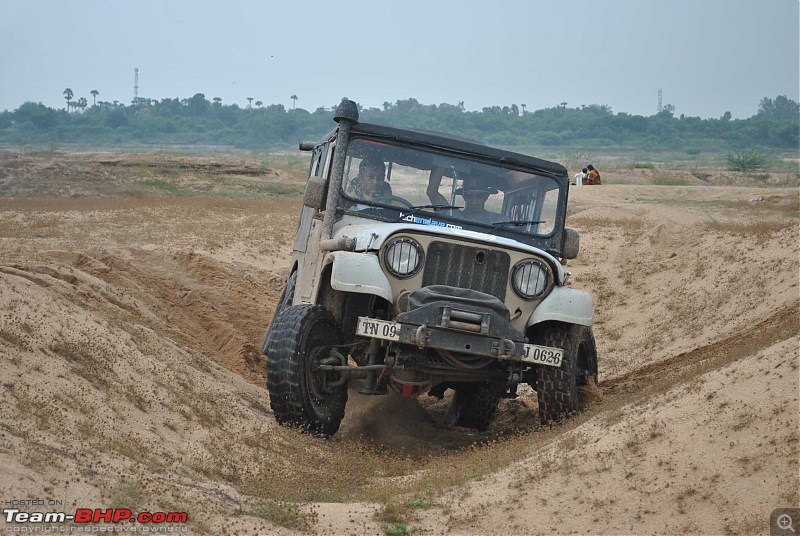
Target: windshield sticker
(411,218)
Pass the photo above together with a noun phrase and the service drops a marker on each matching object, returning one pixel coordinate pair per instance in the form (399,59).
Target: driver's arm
(434,182)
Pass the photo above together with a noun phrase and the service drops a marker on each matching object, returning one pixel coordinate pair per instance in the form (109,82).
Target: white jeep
(425,262)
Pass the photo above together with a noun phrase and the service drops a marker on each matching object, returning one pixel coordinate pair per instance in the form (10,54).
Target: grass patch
(395,515)
(13,338)
(128,494)
(398,512)
(683,497)
(283,514)
(286,161)
(771,206)
(198,407)
(276,189)
(421,502)
(666,180)
(630,226)
(164,186)
(399,529)
(760,178)
(85,429)
(643,165)
(31,406)
(760,231)
(86,361)
(128,448)
(702,175)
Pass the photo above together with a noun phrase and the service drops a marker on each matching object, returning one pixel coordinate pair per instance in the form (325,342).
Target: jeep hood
(371,237)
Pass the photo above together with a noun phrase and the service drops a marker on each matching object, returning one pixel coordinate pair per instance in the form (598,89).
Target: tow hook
(423,336)
(503,348)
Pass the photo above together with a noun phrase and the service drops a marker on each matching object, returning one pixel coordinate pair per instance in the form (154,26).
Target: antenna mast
(659,102)
(136,86)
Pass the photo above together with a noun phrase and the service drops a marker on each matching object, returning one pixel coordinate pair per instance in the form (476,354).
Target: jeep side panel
(307,255)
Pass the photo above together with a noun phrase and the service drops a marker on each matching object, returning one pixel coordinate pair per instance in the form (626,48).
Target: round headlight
(529,279)
(403,257)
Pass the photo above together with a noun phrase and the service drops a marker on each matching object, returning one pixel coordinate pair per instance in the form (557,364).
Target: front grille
(456,265)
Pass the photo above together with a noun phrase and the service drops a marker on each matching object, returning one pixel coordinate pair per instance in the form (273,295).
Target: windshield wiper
(437,207)
(496,226)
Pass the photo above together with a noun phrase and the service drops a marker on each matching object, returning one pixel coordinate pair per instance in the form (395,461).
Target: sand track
(682,368)
(130,330)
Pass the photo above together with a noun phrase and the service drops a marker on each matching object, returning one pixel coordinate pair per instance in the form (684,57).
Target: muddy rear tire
(557,388)
(474,406)
(300,394)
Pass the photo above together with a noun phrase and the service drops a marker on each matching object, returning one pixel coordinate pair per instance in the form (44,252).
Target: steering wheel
(394,200)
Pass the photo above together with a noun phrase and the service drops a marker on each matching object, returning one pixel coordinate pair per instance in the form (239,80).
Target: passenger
(475,193)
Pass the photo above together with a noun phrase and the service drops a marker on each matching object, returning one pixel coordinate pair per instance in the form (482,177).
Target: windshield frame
(386,212)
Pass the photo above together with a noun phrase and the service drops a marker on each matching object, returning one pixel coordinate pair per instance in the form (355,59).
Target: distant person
(475,193)
(593,177)
(580,178)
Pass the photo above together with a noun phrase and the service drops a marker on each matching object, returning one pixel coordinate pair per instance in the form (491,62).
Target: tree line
(196,120)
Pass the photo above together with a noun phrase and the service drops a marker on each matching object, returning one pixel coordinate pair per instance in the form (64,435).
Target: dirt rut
(131,376)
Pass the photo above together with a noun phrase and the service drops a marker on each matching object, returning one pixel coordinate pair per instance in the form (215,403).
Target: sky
(706,56)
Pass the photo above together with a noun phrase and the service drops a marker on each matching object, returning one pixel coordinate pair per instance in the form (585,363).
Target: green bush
(747,160)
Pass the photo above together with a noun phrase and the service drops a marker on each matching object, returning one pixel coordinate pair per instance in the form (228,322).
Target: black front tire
(474,406)
(557,388)
(300,395)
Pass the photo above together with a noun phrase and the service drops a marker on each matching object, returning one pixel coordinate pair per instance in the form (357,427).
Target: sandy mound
(130,330)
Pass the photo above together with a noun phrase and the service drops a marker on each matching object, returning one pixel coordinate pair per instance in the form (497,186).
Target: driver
(369,184)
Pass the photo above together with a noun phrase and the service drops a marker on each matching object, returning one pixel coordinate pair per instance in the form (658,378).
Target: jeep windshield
(396,183)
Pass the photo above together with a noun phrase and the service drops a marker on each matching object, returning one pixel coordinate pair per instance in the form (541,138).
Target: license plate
(543,355)
(378,329)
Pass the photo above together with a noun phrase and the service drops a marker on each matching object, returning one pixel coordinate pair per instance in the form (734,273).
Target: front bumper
(472,331)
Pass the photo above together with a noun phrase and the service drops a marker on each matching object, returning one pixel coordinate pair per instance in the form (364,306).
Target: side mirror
(316,192)
(570,244)
(307,145)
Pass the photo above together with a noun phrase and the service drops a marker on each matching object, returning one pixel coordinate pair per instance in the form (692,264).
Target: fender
(565,304)
(358,272)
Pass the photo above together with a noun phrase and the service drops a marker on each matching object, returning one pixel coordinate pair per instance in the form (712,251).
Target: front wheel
(300,394)
(557,388)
